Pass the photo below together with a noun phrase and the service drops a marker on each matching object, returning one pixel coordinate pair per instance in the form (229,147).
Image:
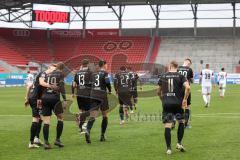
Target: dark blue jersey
(122,82)
(83,80)
(36,89)
(133,78)
(186,72)
(172,84)
(100,81)
(55,78)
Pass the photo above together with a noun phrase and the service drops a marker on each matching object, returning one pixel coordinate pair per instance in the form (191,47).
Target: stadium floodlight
(108,4)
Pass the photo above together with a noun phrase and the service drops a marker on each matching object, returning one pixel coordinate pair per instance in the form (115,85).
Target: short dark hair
(207,65)
(101,63)
(123,68)
(223,69)
(174,64)
(188,59)
(60,66)
(85,62)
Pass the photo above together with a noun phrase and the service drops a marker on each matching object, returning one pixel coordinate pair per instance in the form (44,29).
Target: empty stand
(36,50)
(9,54)
(218,52)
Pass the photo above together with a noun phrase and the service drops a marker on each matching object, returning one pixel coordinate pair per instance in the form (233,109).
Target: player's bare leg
(46,122)
(205,99)
(167,135)
(59,130)
(126,109)
(208,99)
(221,91)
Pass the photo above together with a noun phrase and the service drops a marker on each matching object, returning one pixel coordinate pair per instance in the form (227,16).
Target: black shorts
(134,95)
(99,100)
(33,105)
(189,99)
(124,98)
(84,103)
(49,103)
(172,111)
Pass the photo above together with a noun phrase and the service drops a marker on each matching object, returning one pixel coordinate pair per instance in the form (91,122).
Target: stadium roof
(7,4)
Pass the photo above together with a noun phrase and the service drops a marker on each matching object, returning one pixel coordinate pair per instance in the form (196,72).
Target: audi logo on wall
(123,45)
(21,33)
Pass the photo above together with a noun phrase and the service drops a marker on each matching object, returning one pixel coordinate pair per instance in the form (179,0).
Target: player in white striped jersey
(30,79)
(206,80)
(222,81)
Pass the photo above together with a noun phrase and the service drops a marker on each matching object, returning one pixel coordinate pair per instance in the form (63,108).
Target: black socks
(39,126)
(90,123)
(82,120)
(187,115)
(59,129)
(104,125)
(168,137)
(46,132)
(180,132)
(121,113)
(33,131)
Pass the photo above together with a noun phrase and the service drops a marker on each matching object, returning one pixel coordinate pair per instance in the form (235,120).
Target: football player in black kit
(32,97)
(122,86)
(82,82)
(53,82)
(187,72)
(173,91)
(134,93)
(99,99)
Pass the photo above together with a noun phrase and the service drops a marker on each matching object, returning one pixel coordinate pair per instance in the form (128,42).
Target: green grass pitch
(215,134)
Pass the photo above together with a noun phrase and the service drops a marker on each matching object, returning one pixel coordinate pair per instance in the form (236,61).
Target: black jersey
(36,89)
(100,81)
(172,84)
(133,79)
(55,78)
(186,72)
(122,82)
(83,80)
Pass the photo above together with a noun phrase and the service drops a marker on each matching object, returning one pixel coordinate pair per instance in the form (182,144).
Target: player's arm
(28,88)
(159,89)
(72,89)
(62,90)
(43,83)
(74,85)
(139,80)
(213,80)
(108,84)
(200,78)
(186,93)
(115,83)
(159,92)
(191,76)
